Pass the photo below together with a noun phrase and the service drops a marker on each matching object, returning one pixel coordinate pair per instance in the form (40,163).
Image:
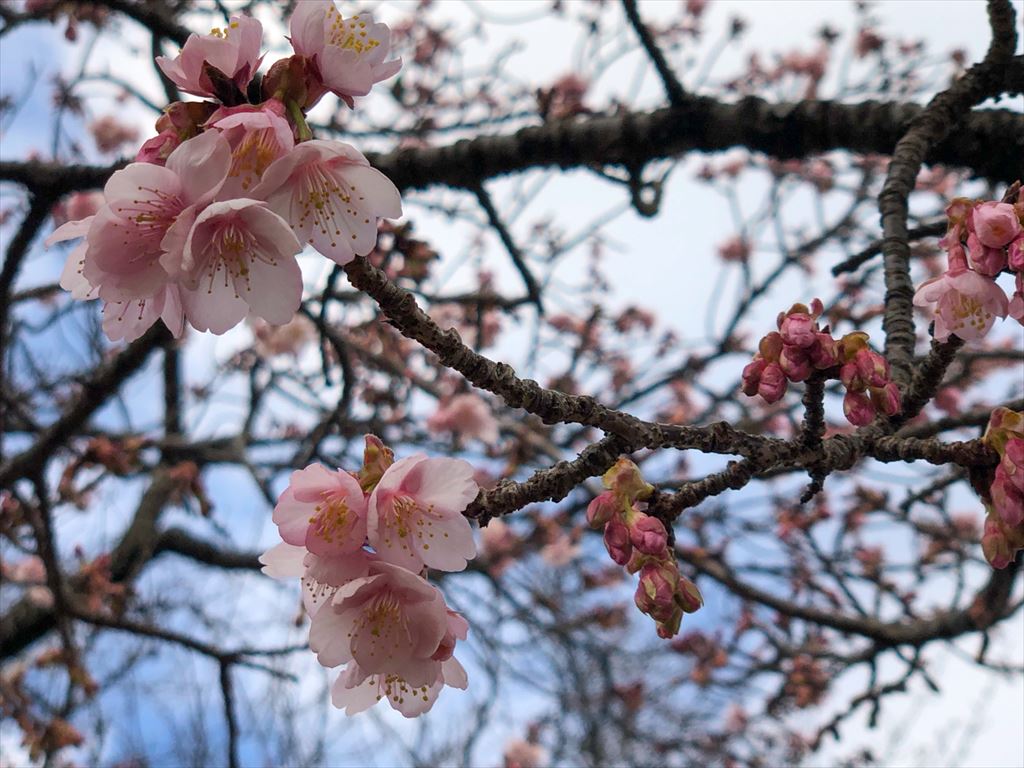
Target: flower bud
(625,481)
(872,367)
(670,627)
(795,363)
(995,544)
(1007,499)
(688,597)
(773,383)
(377,457)
(616,541)
(752,375)
(655,594)
(798,329)
(648,535)
(995,224)
(601,509)
(824,352)
(985,260)
(1013,461)
(1015,255)
(770,347)
(858,408)
(886,399)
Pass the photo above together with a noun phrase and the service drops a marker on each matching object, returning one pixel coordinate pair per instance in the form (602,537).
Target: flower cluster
(360,541)
(639,542)
(983,239)
(1004,524)
(800,348)
(205,226)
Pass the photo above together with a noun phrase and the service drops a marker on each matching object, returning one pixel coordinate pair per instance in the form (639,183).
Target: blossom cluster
(799,348)
(360,542)
(205,226)
(983,239)
(639,542)
(1004,524)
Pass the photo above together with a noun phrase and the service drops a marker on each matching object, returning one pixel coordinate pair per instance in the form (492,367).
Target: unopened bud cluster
(1004,524)
(799,348)
(639,542)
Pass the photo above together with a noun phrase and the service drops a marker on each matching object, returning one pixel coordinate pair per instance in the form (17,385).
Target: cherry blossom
(120,260)
(415,513)
(258,136)
(347,54)
(331,197)
(323,511)
(965,303)
(390,622)
(232,53)
(237,256)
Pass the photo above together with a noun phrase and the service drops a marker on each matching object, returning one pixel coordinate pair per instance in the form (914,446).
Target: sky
(676,250)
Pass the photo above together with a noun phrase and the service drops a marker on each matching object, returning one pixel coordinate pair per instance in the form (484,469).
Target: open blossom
(331,197)
(965,303)
(323,511)
(236,256)
(466,415)
(389,622)
(232,53)
(120,259)
(348,55)
(258,136)
(320,576)
(415,513)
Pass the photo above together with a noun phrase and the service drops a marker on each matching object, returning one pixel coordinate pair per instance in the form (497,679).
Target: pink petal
(329,636)
(69,230)
(292,518)
(214,305)
(451,546)
(283,561)
(454,673)
(443,483)
(202,163)
(350,693)
(306,27)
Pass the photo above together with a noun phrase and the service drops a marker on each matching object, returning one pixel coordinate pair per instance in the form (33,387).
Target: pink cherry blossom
(524,754)
(466,415)
(331,197)
(120,260)
(415,513)
(233,51)
(258,136)
(323,511)
(995,224)
(77,206)
(347,54)
(964,302)
(237,256)
(389,622)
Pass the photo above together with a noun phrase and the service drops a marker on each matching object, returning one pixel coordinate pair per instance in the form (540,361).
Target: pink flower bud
(995,224)
(626,482)
(795,363)
(1015,254)
(688,597)
(872,367)
(648,535)
(798,329)
(995,544)
(670,627)
(1007,498)
(858,408)
(601,509)
(656,591)
(849,374)
(1013,461)
(823,352)
(616,541)
(773,383)
(886,399)
(752,376)
(984,259)
(158,149)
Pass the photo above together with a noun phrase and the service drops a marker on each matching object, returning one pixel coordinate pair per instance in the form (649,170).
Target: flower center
(351,34)
(256,151)
(327,200)
(331,518)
